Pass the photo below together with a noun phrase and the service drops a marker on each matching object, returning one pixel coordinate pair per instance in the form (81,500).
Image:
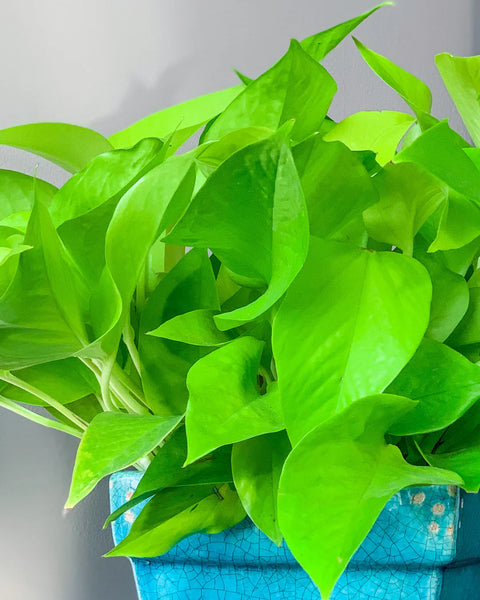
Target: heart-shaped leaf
(370,313)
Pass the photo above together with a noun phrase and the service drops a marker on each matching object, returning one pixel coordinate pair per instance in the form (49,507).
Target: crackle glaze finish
(404,556)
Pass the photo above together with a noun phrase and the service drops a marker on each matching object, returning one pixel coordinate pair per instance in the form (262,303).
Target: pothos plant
(311,353)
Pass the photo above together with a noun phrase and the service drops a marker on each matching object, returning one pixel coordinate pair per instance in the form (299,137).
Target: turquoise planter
(413,552)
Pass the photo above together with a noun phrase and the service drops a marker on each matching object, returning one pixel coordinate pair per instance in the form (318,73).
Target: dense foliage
(312,353)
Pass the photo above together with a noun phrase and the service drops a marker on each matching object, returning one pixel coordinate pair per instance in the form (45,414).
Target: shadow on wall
(141,100)
(252,35)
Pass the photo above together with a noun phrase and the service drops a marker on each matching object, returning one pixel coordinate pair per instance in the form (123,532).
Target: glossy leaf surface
(462,80)
(226,380)
(68,146)
(380,132)
(189,286)
(415,93)
(177,513)
(336,185)
(42,310)
(104,177)
(296,87)
(176,123)
(450,389)
(257,464)
(255,223)
(341,499)
(370,313)
(112,442)
(440,151)
(196,327)
(408,196)
(320,44)
(17,193)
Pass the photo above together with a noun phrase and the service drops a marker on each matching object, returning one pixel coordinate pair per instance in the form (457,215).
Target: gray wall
(104,64)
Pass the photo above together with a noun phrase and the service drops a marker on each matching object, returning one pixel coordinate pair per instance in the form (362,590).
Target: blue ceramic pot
(413,552)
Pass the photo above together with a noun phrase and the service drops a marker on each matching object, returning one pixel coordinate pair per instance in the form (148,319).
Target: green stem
(265,374)
(127,399)
(123,388)
(23,385)
(119,375)
(129,339)
(106,381)
(31,416)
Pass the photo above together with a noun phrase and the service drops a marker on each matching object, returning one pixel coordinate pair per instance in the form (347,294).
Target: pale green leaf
(68,146)
(462,80)
(17,193)
(114,441)
(440,151)
(415,93)
(177,123)
(43,310)
(378,131)
(408,196)
(106,176)
(449,294)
